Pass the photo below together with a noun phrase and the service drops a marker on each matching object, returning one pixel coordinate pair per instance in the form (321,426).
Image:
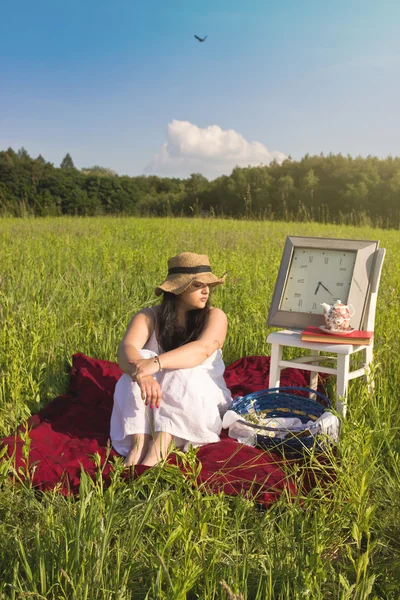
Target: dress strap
(155,330)
(155,317)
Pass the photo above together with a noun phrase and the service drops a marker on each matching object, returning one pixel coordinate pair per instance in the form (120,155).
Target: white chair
(319,352)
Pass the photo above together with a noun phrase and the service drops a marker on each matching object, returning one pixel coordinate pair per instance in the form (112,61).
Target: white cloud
(210,151)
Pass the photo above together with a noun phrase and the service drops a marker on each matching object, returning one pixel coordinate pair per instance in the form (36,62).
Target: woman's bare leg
(158,448)
(139,449)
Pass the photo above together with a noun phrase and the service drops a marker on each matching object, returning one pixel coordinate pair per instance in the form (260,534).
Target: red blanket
(66,434)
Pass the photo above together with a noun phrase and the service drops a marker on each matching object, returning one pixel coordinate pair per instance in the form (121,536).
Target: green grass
(69,285)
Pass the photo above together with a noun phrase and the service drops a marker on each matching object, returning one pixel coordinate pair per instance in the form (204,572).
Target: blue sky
(125,85)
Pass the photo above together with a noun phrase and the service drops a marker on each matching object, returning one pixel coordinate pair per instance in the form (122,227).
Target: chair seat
(292,338)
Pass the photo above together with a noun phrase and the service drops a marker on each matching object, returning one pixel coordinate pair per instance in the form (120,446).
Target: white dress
(191,409)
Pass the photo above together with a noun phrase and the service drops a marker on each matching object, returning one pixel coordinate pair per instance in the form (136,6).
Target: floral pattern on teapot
(337,315)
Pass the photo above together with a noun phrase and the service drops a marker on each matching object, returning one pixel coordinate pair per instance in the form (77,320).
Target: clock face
(317,275)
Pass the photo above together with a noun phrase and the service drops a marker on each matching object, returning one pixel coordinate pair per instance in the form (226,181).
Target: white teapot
(337,315)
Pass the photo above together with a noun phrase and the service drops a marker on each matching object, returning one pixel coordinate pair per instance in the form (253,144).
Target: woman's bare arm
(194,353)
(137,333)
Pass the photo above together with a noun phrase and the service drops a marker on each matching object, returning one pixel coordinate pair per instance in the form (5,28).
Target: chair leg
(314,375)
(369,375)
(342,383)
(274,368)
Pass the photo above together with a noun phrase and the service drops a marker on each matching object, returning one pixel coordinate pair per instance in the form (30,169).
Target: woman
(173,387)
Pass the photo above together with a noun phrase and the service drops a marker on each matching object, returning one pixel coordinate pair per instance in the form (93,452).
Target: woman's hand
(150,389)
(143,367)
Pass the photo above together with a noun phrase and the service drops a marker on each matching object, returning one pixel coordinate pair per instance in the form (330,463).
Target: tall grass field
(71,285)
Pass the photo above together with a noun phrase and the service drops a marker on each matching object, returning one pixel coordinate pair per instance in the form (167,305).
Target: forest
(322,188)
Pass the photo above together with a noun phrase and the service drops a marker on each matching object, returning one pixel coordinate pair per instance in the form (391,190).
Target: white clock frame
(364,251)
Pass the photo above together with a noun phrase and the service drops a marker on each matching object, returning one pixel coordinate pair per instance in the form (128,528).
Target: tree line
(327,189)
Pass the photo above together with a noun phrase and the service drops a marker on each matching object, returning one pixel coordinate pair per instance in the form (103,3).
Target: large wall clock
(315,270)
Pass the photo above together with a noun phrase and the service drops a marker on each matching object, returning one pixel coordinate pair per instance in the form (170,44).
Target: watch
(315,270)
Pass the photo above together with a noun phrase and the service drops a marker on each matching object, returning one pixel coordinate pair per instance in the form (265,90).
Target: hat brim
(176,284)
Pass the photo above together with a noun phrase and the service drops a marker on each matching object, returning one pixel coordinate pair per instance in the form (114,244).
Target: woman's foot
(158,449)
(139,449)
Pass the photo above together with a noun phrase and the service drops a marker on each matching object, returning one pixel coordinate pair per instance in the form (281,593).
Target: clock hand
(325,288)
(316,291)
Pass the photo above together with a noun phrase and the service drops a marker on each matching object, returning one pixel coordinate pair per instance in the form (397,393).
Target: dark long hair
(169,334)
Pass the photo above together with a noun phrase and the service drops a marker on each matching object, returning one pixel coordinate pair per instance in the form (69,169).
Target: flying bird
(200,39)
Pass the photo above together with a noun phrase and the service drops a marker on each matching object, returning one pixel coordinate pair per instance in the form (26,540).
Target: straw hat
(186,268)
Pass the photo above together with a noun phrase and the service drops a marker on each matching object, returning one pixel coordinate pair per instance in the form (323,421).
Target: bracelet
(157,360)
